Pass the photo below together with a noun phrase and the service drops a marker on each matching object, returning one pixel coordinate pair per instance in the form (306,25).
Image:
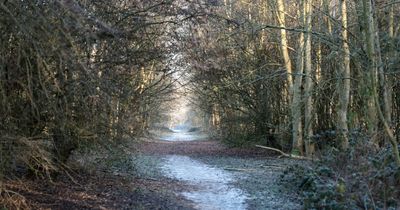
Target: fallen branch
(241,169)
(272,166)
(285,154)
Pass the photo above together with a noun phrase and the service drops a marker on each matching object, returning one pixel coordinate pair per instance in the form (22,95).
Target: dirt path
(219,177)
(164,174)
(199,148)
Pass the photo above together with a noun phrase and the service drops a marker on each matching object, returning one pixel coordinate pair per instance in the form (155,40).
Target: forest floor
(160,174)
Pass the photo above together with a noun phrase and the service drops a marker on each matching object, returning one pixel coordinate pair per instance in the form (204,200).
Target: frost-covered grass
(259,178)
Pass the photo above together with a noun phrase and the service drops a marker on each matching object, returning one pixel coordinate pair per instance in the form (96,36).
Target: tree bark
(344,82)
(370,75)
(284,44)
(296,107)
(309,83)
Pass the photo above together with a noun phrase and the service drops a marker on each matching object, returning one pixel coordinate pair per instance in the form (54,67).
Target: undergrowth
(12,200)
(97,157)
(363,177)
(108,157)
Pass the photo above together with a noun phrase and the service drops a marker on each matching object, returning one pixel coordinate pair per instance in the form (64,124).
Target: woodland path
(219,177)
(169,172)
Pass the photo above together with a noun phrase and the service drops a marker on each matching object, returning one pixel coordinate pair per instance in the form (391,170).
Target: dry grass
(12,200)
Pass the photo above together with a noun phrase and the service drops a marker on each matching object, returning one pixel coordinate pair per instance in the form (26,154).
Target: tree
(309,80)
(344,80)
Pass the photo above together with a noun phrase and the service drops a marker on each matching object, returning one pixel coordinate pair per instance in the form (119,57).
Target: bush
(362,177)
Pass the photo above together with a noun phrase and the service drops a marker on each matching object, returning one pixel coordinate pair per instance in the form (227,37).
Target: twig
(11,192)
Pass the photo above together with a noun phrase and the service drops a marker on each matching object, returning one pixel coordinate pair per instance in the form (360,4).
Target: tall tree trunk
(309,81)
(296,107)
(344,82)
(327,17)
(318,70)
(370,75)
(391,55)
(284,44)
